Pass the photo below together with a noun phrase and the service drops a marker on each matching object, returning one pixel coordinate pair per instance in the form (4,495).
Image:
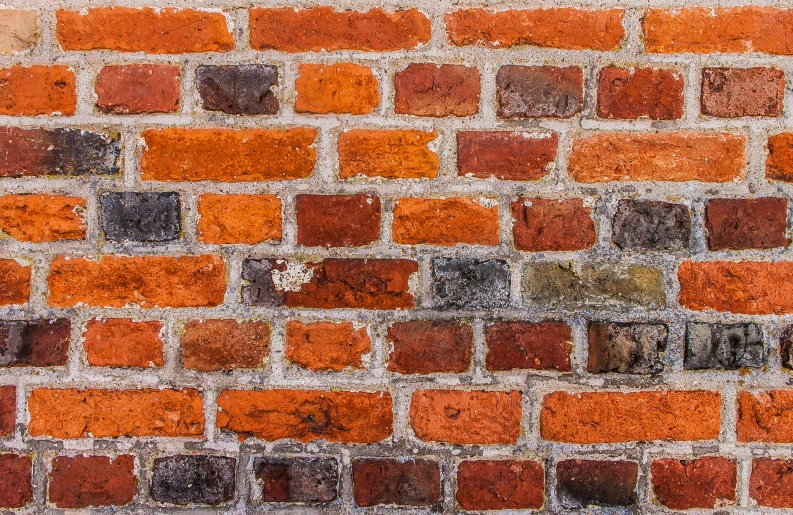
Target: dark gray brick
(193,479)
(723,346)
(626,348)
(313,480)
(43,343)
(132,216)
(470,283)
(650,225)
(243,89)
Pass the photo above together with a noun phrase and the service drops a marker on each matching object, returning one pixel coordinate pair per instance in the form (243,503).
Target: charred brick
(626,348)
(42,343)
(310,480)
(193,479)
(539,92)
(467,283)
(402,483)
(582,483)
(243,89)
(650,225)
(133,216)
(723,346)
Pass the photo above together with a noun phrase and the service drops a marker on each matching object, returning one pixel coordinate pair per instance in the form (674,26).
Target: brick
(539,91)
(306,415)
(304,480)
(14,282)
(35,90)
(703,30)
(661,156)
(748,287)
(651,225)
(583,483)
(323,28)
(228,155)
(779,162)
(426,347)
(42,218)
(19,31)
(426,89)
(595,285)
(467,283)
(723,346)
(391,154)
(447,221)
(771,482)
(610,417)
(786,348)
(626,348)
(552,225)
(735,92)
(509,156)
(145,281)
(154,31)
(459,417)
(244,219)
(34,343)
(765,416)
(16,489)
(337,220)
(133,216)
(528,346)
(58,152)
(8,410)
(138,89)
(756,223)
(327,345)
(330,284)
(565,28)
(409,482)
(240,89)
(194,479)
(84,481)
(121,342)
(341,88)
(500,485)
(91,413)
(706,482)
(632,93)
(215,345)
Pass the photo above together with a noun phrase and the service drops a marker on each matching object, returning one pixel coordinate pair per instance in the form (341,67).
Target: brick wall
(438,256)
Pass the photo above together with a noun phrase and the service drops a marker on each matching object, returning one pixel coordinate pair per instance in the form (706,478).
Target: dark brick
(771,482)
(582,483)
(16,488)
(243,89)
(470,283)
(539,91)
(83,481)
(509,156)
(626,348)
(723,346)
(527,345)
(8,410)
(133,216)
(786,348)
(425,347)
(61,152)
(404,483)
(758,223)
(650,225)
(500,485)
(193,479)
(735,92)
(426,89)
(312,480)
(337,220)
(706,482)
(43,343)
(630,93)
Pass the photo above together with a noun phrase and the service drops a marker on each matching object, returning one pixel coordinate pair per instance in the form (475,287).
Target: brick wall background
(438,256)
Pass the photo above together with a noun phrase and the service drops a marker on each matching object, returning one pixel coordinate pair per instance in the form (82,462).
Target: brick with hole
(430,346)
(37,90)
(295,480)
(755,223)
(765,416)
(500,485)
(509,156)
(447,222)
(238,89)
(337,220)
(633,93)
(736,92)
(14,282)
(123,342)
(341,88)
(35,343)
(552,225)
(92,481)
(515,345)
(427,89)
(651,225)
(217,345)
(707,482)
(389,154)
(771,482)
(194,479)
(626,348)
(8,410)
(42,218)
(138,89)
(19,31)
(539,91)
(468,283)
(322,346)
(386,481)
(584,483)
(239,219)
(16,485)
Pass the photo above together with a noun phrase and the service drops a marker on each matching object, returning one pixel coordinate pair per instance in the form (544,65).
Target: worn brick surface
(470,283)
(83,481)
(771,482)
(19,30)
(525,345)
(340,88)
(35,343)
(765,416)
(14,282)
(552,225)
(759,223)
(296,480)
(511,156)
(16,489)
(734,92)
(337,220)
(8,406)
(150,217)
(193,479)
(449,221)
(391,154)
(423,347)
(123,342)
(326,345)
(706,482)
(539,91)
(213,345)
(626,348)
(42,218)
(723,346)
(651,225)
(401,483)
(138,89)
(425,89)
(631,93)
(584,483)
(243,89)
(36,90)
(500,485)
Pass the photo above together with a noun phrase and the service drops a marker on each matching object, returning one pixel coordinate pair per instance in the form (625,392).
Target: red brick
(121,342)
(326,345)
(247,219)
(35,343)
(509,156)
(707,482)
(391,154)
(500,485)
(42,218)
(765,416)
(338,88)
(552,225)
(734,92)
(409,482)
(631,93)
(771,482)
(337,220)
(138,89)
(759,223)
(215,345)
(426,89)
(83,481)
(14,282)
(426,347)
(16,487)
(8,410)
(448,222)
(527,345)
(779,163)
(37,90)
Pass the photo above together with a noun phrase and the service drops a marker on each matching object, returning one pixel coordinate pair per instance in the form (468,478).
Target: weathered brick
(626,348)
(610,417)
(765,416)
(786,348)
(239,89)
(771,482)
(391,154)
(509,156)
(342,88)
(214,345)
(661,156)
(16,488)
(707,482)
(228,155)
(426,347)
(35,90)
(779,163)
(133,216)
(194,479)
(326,345)
(539,91)
(306,415)
(121,342)
(723,346)
(448,221)
(84,481)
(651,225)
(138,89)
(411,482)
(331,284)
(42,218)
(527,345)
(8,410)
(460,417)
(72,413)
(583,483)
(426,89)
(337,220)
(631,93)
(154,31)
(14,282)
(468,283)
(757,223)
(500,485)
(145,281)
(323,28)
(248,219)
(552,225)
(735,92)
(26,343)
(19,31)
(304,480)
(566,28)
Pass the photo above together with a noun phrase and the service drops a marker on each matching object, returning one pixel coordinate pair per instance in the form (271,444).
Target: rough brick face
(193,479)
(244,89)
(293,480)
(465,283)
(723,346)
(214,345)
(759,223)
(337,220)
(8,408)
(35,90)
(771,482)
(552,225)
(779,163)
(340,88)
(37,343)
(391,154)
(326,345)
(510,156)
(402,483)
(447,222)
(734,92)
(241,219)
(631,93)
(525,345)
(500,485)
(14,282)
(131,216)
(122,342)
(626,348)
(706,482)
(83,481)
(42,218)
(765,416)
(425,89)
(426,347)
(539,91)
(583,483)
(138,89)
(19,31)
(651,225)
(16,489)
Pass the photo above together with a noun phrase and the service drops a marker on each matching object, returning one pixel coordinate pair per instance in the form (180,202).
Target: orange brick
(392,154)
(121,342)
(228,155)
(247,219)
(41,218)
(326,345)
(338,88)
(445,221)
(216,345)
(14,282)
(779,163)
(765,416)
(37,90)
(552,225)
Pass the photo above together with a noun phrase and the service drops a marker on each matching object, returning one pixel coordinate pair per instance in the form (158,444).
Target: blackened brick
(470,283)
(133,216)
(15,481)
(243,89)
(650,225)
(403,483)
(758,223)
(582,483)
(539,92)
(626,348)
(723,346)
(25,343)
(310,480)
(193,479)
